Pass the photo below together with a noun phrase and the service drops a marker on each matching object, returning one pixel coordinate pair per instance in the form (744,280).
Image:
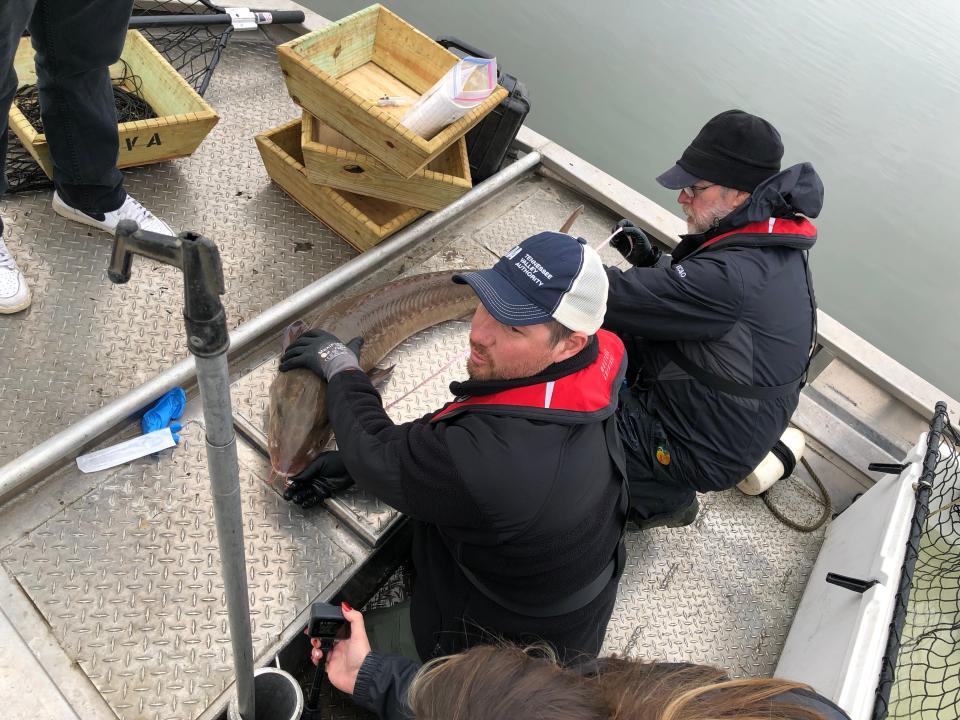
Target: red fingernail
(346,606)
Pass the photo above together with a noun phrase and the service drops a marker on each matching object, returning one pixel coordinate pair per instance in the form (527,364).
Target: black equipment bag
(489,140)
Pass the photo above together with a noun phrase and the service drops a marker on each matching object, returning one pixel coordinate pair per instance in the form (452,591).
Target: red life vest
(590,392)
(771,226)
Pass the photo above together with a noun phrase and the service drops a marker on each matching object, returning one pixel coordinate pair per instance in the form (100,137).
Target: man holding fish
(516,488)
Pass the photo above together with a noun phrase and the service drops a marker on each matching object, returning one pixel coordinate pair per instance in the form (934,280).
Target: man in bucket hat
(719,334)
(515,488)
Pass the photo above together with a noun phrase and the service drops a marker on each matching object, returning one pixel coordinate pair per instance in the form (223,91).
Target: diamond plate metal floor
(128,577)
(123,567)
(84,341)
(722,591)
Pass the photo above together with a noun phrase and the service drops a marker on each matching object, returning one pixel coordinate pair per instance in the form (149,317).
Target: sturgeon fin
(565,228)
(291,333)
(380,376)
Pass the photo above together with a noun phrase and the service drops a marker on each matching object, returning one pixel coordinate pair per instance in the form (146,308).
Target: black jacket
(529,498)
(383,682)
(735,301)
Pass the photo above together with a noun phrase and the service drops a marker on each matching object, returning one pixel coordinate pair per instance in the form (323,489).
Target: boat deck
(112,579)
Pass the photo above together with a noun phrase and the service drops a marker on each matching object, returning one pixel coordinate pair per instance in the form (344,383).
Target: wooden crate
(183,118)
(361,221)
(338,73)
(335,160)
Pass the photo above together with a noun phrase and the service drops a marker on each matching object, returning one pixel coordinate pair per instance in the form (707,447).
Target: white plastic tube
(770,468)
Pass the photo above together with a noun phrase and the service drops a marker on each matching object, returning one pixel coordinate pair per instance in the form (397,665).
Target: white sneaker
(14,293)
(130,210)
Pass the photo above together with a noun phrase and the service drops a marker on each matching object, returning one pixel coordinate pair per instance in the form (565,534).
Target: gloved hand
(634,245)
(323,353)
(321,479)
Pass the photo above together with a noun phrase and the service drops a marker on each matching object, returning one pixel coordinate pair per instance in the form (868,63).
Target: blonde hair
(502,682)
(489,682)
(635,690)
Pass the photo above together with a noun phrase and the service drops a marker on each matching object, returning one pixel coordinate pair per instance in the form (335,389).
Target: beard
(521,368)
(701,222)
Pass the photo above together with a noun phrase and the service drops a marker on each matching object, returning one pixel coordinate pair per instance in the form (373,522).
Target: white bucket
(277,696)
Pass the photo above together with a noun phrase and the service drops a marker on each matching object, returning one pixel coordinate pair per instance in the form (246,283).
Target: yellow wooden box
(361,221)
(183,118)
(335,160)
(338,73)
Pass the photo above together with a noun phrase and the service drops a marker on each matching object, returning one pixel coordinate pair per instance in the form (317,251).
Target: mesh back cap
(549,276)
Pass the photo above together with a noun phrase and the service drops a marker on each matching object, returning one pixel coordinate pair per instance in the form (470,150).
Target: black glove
(634,245)
(322,478)
(323,353)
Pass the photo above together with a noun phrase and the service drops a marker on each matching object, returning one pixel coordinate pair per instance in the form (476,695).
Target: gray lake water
(869,92)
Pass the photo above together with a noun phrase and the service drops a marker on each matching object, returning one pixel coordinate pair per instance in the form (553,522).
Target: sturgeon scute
(384,317)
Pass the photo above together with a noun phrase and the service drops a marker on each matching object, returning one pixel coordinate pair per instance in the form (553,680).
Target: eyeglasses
(691,190)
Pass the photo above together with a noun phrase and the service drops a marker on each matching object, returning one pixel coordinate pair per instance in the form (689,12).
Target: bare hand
(346,657)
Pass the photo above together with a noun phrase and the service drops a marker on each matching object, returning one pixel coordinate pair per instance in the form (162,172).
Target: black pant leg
(14,16)
(655,488)
(76,42)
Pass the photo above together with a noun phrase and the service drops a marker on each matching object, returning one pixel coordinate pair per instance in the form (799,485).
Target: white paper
(124,452)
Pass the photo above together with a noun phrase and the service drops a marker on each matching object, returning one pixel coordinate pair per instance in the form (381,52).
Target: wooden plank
(333,159)
(411,56)
(343,45)
(372,82)
(361,221)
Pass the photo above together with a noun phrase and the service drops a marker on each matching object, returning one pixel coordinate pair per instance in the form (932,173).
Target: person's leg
(658,496)
(389,630)
(14,15)
(75,44)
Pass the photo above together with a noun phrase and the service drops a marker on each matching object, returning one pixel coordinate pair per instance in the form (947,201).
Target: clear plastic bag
(466,85)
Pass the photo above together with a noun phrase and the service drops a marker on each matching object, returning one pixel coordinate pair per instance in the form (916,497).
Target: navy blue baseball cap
(549,276)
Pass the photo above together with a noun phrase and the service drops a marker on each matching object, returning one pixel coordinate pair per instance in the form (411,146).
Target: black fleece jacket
(532,505)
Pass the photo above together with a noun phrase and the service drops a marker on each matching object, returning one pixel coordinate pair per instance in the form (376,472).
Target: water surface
(869,92)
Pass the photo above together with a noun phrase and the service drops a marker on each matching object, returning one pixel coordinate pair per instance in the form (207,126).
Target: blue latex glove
(168,407)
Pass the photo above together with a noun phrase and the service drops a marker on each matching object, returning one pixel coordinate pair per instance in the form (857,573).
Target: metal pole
(208,340)
(213,378)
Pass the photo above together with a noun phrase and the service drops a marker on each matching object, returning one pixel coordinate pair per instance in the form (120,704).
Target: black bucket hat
(734,149)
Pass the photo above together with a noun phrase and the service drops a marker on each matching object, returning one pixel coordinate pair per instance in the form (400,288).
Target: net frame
(920,669)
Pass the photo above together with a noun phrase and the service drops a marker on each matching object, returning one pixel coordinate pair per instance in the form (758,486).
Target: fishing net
(920,674)
(194,50)
(127,95)
(179,30)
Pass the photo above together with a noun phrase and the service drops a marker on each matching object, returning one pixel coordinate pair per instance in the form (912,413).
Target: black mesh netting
(192,49)
(920,675)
